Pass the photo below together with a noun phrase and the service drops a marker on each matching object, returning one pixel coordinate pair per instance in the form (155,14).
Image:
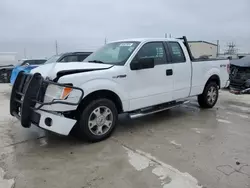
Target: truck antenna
(56,45)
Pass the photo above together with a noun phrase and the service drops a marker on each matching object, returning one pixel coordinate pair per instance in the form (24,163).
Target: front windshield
(52,59)
(115,53)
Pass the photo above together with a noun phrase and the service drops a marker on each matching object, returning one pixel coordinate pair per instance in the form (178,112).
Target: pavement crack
(134,150)
(21,142)
(92,181)
(222,169)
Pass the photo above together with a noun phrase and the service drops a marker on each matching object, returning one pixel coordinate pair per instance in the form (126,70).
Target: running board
(156,109)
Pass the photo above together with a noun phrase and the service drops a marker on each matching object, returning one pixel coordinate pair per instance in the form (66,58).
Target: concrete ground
(185,147)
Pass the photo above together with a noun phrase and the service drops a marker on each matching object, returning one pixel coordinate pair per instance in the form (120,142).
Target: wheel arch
(104,93)
(214,78)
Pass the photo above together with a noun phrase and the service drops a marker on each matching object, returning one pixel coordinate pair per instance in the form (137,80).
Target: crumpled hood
(51,70)
(243,62)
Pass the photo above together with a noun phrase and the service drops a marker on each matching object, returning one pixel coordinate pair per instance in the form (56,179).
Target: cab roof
(147,39)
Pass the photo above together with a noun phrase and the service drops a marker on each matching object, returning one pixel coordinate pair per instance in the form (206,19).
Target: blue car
(26,66)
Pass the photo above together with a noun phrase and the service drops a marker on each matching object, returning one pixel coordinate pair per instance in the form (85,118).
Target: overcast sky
(83,25)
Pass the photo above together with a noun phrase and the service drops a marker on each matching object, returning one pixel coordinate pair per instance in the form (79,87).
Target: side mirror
(142,63)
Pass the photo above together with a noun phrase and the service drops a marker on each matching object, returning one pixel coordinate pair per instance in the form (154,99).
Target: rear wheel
(209,96)
(98,120)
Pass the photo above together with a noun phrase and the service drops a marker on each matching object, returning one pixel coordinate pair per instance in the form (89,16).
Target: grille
(24,83)
(20,90)
(41,92)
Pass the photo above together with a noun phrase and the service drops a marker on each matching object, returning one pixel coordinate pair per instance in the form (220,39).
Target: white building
(8,58)
(203,48)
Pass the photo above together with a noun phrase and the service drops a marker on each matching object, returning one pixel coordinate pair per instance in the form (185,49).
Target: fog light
(48,121)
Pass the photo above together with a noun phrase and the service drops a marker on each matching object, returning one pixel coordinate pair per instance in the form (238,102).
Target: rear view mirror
(142,63)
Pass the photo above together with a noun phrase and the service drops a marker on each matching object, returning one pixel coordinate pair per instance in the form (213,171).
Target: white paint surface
(237,114)
(231,97)
(224,121)
(4,183)
(43,141)
(239,133)
(196,130)
(242,108)
(176,179)
(174,143)
(137,161)
(243,116)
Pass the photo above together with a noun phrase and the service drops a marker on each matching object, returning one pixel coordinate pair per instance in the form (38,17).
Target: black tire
(204,99)
(83,129)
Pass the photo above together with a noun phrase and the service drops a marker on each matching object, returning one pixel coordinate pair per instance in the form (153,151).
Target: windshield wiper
(96,61)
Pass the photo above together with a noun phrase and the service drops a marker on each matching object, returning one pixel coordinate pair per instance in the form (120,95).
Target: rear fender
(213,74)
(214,78)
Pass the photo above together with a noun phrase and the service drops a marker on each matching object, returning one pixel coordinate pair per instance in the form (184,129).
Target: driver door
(150,86)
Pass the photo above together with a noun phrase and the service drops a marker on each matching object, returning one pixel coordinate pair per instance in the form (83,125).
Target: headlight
(57,92)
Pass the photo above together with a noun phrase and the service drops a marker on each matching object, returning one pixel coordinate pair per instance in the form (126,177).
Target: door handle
(169,72)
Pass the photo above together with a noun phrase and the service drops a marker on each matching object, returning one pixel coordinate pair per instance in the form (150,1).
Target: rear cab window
(176,52)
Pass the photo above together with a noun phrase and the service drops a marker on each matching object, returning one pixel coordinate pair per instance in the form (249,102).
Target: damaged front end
(239,79)
(31,93)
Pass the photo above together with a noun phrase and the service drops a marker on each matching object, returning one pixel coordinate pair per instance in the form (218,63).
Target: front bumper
(26,104)
(238,87)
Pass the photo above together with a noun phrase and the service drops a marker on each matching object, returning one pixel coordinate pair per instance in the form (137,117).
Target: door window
(82,57)
(70,58)
(153,50)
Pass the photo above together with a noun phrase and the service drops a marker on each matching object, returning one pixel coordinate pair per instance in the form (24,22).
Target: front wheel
(209,96)
(98,120)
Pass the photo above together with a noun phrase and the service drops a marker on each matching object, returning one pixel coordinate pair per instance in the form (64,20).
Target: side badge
(120,76)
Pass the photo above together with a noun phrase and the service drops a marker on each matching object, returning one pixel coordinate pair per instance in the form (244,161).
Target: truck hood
(51,70)
(6,66)
(243,62)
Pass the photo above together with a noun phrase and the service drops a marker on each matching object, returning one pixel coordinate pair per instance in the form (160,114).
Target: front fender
(106,84)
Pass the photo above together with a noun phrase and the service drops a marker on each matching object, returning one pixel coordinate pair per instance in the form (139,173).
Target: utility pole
(218,48)
(231,49)
(105,41)
(56,45)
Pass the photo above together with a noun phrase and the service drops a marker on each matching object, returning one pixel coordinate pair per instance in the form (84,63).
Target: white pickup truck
(135,76)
